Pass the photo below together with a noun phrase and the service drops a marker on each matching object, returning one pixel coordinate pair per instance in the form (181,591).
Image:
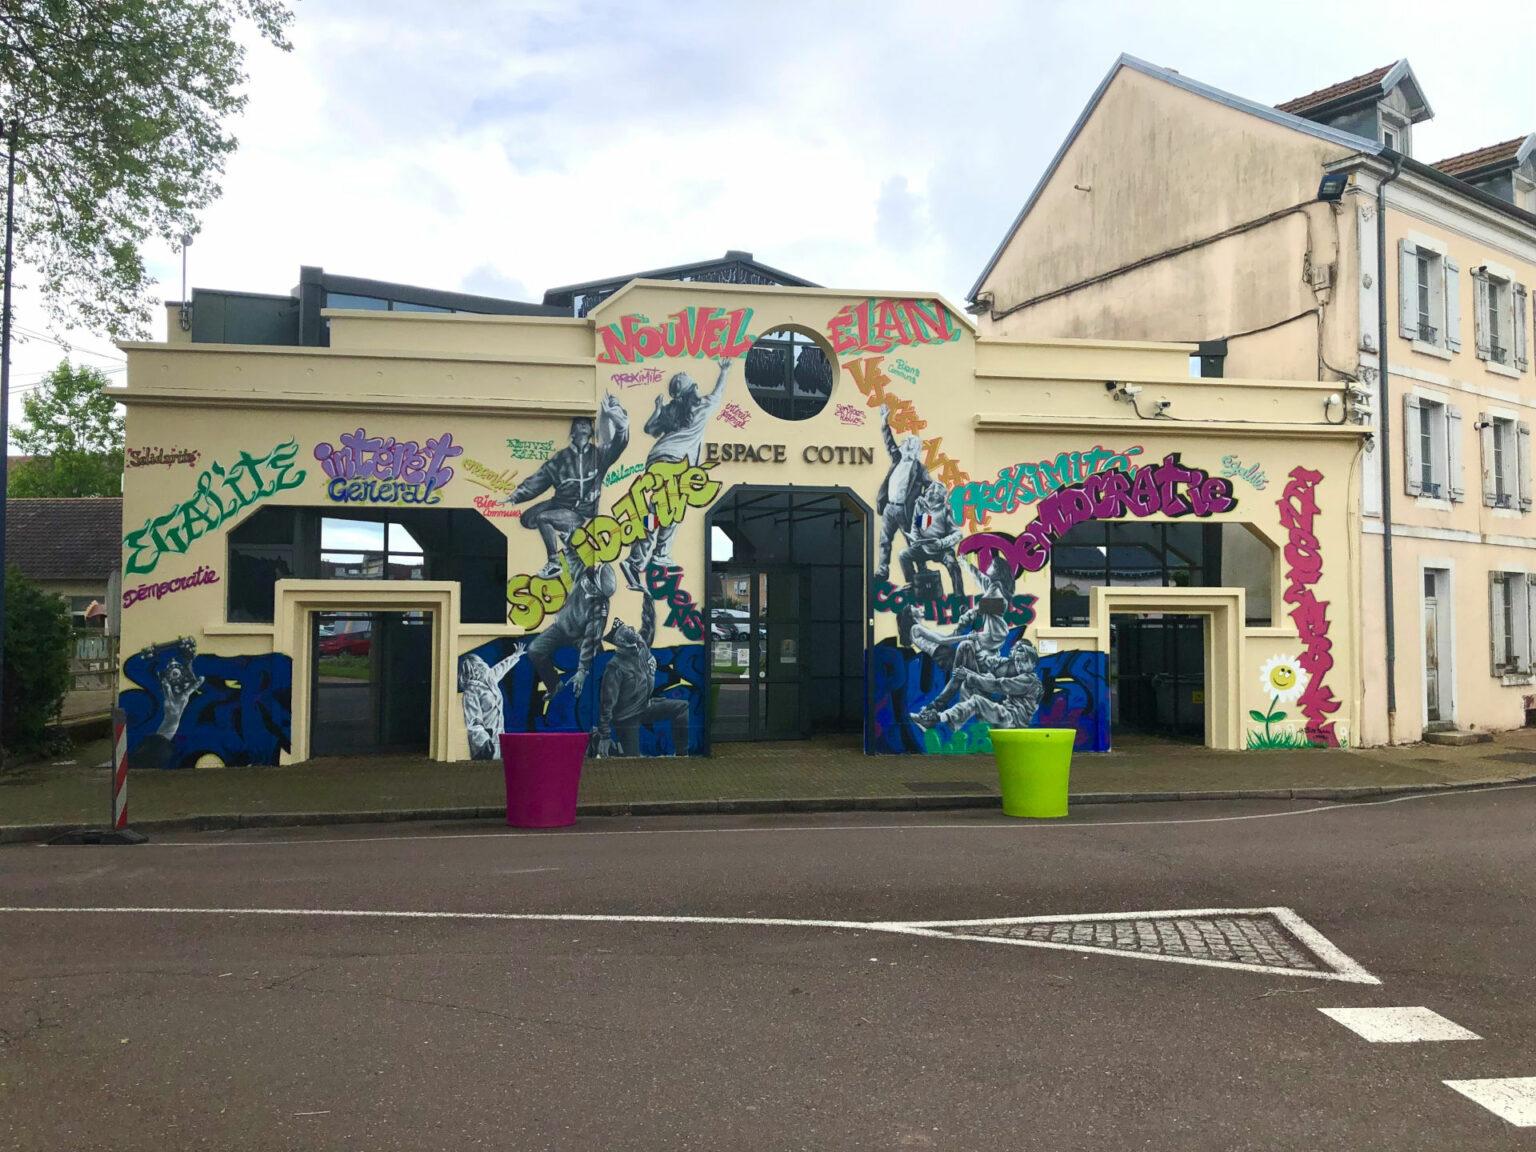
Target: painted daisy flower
(1282,678)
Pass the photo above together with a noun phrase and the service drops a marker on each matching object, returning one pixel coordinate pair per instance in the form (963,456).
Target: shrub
(38,640)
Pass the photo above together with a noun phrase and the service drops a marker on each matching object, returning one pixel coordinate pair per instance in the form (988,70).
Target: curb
(32,833)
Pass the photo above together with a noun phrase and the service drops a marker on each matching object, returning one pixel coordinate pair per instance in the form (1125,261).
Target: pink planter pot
(543,771)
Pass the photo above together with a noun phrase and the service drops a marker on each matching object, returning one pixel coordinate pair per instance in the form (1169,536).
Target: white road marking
(1511,1098)
(1013,826)
(1399,1025)
(1342,967)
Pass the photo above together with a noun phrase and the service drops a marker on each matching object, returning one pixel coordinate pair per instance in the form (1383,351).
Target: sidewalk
(37,799)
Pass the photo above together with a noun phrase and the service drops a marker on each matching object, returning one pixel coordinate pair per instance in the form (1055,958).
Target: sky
(505,148)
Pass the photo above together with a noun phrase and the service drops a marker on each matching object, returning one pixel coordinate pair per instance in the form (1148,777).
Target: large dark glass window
(789,374)
(396,544)
(1147,554)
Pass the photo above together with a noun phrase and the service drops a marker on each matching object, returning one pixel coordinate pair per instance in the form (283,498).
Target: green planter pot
(1032,767)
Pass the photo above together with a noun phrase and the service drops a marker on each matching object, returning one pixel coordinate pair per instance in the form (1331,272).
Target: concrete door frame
(298,600)
(1225,609)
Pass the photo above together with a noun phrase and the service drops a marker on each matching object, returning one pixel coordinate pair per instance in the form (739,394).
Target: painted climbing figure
(678,425)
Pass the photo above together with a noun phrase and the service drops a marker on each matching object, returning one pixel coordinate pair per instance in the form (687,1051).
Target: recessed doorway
(1157,672)
(371,685)
(787,621)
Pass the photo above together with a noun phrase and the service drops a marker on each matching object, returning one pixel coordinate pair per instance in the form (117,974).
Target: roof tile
(1362,83)
(65,539)
(1480,157)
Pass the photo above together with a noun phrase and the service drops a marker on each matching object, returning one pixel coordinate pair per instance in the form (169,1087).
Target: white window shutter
(1520,328)
(1485,442)
(1413,464)
(1523,455)
(1456,489)
(1528,652)
(1452,306)
(1519,619)
(1496,622)
(1407,289)
(1480,313)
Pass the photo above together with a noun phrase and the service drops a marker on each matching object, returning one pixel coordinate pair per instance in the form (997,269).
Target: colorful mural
(1303,568)
(221,494)
(187,706)
(366,469)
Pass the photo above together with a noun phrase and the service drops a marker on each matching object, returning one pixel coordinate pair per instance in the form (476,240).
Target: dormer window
(1396,132)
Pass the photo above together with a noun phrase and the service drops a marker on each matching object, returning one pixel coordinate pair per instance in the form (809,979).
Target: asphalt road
(162,1029)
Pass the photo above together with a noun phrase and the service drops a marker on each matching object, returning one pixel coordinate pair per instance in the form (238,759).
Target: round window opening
(789,373)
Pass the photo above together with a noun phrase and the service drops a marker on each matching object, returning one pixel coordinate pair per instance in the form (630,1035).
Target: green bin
(1032,767)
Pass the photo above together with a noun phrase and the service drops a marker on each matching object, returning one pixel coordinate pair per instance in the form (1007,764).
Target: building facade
(711,512)
(1177,211)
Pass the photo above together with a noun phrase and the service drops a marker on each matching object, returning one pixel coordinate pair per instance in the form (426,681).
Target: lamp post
(5,382)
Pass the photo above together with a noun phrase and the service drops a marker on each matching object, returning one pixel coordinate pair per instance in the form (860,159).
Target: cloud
(870,145)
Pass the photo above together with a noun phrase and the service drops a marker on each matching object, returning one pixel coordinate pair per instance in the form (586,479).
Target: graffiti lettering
(634,379)
(1166,489)
(1025,483)
(665,583)
(707,332)
(872,382)
(905,371)
(734,415)
(484,476)
(144,457)
(880,325)
(492,508)
(667,488)
(204,575)
(624,473)
(345,491)
(1303,568)
(221,493)
(1232,466)
(403,462)
(531,598)
(848,414)
(530,449)
(947,609)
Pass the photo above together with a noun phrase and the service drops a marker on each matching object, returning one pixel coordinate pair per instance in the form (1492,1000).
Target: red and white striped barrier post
(119,770)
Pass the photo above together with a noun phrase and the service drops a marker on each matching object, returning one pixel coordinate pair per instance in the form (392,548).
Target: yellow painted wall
(976,408)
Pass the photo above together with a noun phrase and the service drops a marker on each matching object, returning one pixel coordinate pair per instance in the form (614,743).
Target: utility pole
(5,381)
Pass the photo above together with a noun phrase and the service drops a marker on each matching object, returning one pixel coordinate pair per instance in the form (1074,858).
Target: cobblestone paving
(1246,939)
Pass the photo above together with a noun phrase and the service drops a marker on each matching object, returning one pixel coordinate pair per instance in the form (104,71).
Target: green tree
(120,109)
(38,646)
(75,432)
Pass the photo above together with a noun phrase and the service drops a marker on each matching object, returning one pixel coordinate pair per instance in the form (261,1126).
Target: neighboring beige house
(1175,211)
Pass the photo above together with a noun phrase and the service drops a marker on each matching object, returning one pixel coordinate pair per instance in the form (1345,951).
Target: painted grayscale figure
(1003,690)
(678,424)
(906,481)
(576,475)
(178,684)
(480,684)
(629,697)
(580,622)
(932,535)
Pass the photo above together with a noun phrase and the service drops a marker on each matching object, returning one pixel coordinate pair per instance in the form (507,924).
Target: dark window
(1160,554)
(789,374)
(455,544)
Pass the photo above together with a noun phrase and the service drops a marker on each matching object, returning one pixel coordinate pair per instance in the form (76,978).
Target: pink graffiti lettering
(1167,489)
(880,325)
(132,596)
(694,331)
(635,379)
(848,414)
(734,415)
(1304,566)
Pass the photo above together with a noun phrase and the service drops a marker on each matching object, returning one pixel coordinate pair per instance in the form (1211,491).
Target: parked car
(346,638)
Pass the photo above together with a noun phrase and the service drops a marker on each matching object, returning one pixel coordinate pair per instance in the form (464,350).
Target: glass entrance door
(757,655)
(371,691)
(1159,668)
